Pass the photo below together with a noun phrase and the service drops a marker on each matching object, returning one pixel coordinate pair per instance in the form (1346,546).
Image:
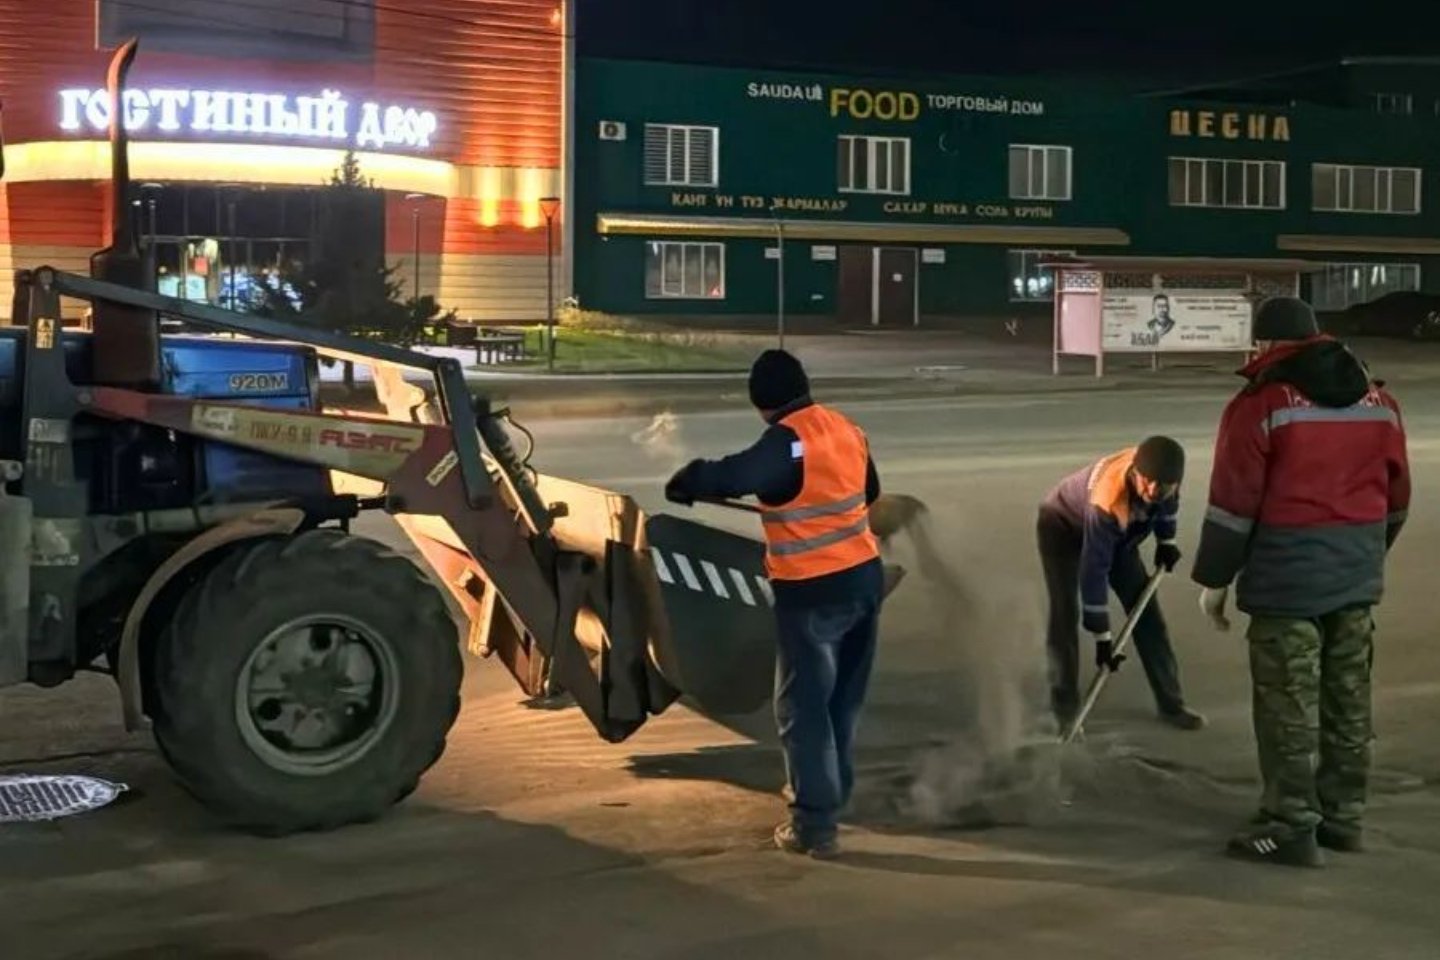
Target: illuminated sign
(326,117)
(884,105)
(903,208)
(1211,124)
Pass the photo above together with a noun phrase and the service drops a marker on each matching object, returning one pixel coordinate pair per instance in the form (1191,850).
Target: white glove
(1212,604)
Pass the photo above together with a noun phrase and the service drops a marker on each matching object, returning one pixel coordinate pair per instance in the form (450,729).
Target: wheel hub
(316,694)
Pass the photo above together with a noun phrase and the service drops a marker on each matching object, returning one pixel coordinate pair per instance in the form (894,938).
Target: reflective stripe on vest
(826,528)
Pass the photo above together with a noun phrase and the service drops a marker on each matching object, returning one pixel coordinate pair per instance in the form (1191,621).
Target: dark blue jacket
(770,472)
(1109,519)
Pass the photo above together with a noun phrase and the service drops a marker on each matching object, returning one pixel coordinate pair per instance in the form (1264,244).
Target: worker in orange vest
(813,476)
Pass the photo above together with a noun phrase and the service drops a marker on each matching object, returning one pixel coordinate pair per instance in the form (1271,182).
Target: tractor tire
(306,683)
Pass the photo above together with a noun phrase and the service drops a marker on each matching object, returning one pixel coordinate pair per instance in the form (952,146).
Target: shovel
(889,514)
(1092,695)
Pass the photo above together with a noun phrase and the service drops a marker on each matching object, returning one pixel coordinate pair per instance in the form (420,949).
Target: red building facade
(239,109)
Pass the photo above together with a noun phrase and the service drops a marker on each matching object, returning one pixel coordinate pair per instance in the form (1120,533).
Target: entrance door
(896,287)
(855,292)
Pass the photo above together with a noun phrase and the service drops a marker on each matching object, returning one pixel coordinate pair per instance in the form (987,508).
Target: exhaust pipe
(126,344)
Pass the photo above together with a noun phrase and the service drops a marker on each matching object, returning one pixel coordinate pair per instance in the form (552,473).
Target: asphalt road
(531,838)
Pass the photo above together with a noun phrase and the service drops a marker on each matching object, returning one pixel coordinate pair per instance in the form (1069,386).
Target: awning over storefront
(1210,265)
(1321,243)
(657,225)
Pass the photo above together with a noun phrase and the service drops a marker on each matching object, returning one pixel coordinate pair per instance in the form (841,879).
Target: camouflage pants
(1311,681)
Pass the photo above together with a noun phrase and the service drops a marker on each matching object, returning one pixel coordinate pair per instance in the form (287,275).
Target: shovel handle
(728,504)
(1092,695)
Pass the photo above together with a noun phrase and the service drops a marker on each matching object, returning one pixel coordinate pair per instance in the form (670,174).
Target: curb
(620,397)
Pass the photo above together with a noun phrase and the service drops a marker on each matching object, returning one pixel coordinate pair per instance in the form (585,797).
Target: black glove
(677,489)
(1105,658)
(1167,555)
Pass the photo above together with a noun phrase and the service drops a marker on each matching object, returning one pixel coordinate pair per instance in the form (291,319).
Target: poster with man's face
(1163,321)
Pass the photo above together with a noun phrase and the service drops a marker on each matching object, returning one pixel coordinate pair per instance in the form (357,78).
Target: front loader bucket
(669,608)
(716,642)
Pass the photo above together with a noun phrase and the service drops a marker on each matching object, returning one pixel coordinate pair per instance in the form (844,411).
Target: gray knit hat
(1160,459)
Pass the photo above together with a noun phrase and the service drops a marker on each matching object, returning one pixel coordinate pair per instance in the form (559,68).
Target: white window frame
(1042,151)
(1029,255)
(685,245)
(1396,103)
(1247,167)
(686,130)
(872,146)
(1322,282)
(1348,173)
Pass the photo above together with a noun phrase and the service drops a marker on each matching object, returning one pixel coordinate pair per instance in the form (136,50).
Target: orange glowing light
(489,212)
(491,190)
(555,17)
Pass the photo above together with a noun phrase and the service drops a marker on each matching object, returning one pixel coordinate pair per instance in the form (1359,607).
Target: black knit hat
(777,379)
(1160,459)
(1285,318)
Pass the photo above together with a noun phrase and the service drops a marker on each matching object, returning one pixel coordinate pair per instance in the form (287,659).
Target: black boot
(1183,718)
(1341,838)
(1277,843)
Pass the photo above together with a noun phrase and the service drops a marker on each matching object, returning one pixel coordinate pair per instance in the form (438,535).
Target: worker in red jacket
(1310,487)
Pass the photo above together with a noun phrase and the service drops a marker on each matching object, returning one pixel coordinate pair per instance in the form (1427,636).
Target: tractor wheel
(307,682)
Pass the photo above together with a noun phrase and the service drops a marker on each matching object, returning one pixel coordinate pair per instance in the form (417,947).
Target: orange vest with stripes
(826,528)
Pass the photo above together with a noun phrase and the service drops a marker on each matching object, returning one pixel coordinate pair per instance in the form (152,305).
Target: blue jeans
(823,664)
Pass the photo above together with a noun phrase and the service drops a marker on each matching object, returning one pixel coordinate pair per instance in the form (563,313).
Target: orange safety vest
(1109,489)
(826,528)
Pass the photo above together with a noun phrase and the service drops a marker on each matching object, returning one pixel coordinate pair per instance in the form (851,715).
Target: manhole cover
(32,798)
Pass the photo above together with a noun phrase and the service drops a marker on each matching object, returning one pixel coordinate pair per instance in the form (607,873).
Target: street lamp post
(550,206)
(779,276)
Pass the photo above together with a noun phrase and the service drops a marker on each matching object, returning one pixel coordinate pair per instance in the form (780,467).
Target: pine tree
(344,285)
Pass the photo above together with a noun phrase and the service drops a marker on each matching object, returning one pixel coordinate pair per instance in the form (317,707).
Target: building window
(1341,285)
(1030,281)
(1214,182)
(680,156)
(1394,103)
(255,29)
(1039,172)
(874,165)
(684,271)
(1365,189)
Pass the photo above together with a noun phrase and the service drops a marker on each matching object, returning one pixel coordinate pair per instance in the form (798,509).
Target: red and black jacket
(1310,485)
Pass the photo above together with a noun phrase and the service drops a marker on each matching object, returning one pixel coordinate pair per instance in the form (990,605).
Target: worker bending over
(1090,529)
(812,473)
(1310,488)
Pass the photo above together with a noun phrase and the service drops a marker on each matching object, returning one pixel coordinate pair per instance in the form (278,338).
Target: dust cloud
(1002,763)
(661,442)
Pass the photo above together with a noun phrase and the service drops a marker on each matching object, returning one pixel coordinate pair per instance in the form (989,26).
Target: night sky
(1154,43)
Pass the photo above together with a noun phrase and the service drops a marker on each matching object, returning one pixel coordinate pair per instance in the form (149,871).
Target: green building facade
(706,191)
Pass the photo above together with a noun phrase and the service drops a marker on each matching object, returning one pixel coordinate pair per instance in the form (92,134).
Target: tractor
(175,512)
